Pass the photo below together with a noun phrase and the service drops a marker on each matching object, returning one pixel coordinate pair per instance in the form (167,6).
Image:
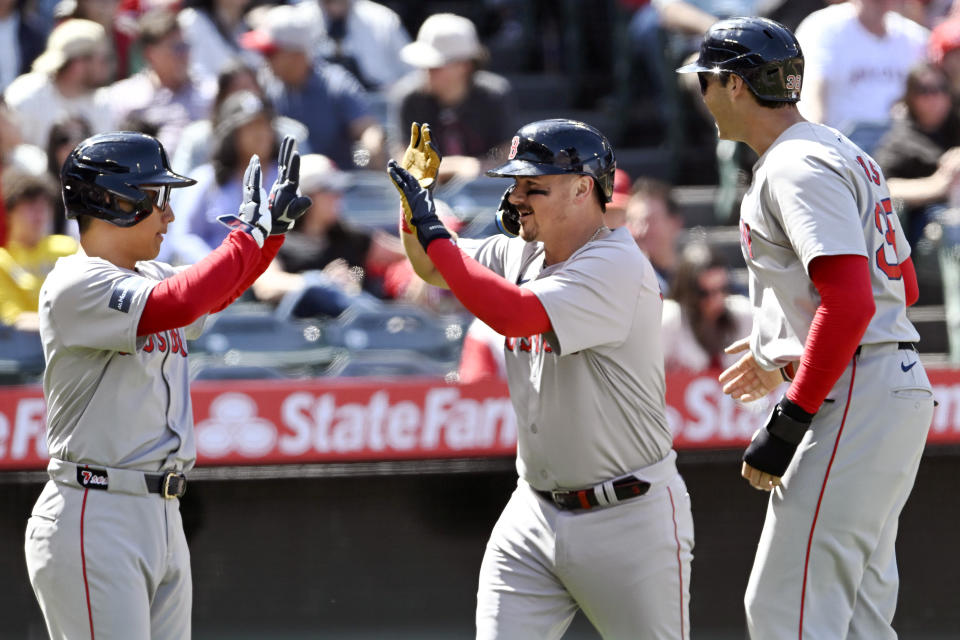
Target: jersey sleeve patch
(123,292)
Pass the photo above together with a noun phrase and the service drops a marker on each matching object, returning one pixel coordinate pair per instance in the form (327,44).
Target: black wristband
(769,454)
(430,230)
(772,449)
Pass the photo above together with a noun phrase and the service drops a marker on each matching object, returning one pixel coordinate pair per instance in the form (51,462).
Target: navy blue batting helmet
(764,53)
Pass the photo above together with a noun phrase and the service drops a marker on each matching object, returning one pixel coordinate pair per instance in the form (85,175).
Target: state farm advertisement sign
(271,422)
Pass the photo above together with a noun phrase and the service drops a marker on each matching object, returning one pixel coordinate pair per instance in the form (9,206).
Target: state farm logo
(234,427)
(308,423)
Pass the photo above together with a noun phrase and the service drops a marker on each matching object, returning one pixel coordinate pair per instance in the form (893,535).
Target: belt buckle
(174,485)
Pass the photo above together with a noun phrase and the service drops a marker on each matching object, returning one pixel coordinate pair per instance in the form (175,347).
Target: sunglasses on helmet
(159,195)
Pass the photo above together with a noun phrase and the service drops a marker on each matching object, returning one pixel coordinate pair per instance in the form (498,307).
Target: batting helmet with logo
(764,53)
(109,167)
(549,147)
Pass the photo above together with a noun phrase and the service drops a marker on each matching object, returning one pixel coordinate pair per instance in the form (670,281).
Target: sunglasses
(702,77)
(159,195)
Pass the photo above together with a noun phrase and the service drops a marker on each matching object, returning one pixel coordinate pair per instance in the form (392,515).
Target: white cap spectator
(319,173)
(443,38)
(71,39)
(282,27)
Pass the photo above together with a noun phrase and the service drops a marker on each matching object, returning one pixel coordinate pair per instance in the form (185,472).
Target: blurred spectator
(482,355)
(213,28)
(702,317)
(920,156)
(323,96)
(471,112)
(944,50)
(21,41)
(104,13)
(30,251)
(64,136)
(616,213)
(244,127)
(857,56)
(14,152)
(326,265)
(196,139)
(62,83)
(656,223)
(364,37)
(163,93)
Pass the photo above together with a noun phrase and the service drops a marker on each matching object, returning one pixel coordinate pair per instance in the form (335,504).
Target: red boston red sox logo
(513,147)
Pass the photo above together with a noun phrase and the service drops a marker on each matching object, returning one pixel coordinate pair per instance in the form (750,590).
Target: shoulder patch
(122,294)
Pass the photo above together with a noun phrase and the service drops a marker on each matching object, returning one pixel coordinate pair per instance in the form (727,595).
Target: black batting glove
(508,217)
(418,206)
(253,216)
(285,204)
(773,447)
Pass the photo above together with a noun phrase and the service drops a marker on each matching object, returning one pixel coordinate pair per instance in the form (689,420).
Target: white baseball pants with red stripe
(826,564)
(627,566)
(107,565)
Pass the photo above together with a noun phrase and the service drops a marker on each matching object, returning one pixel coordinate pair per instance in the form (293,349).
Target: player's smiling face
(542,202)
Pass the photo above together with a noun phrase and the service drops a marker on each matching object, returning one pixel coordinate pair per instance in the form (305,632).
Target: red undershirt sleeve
(509,310)
(209,285)
(846,307)
(910,285)
(270,248)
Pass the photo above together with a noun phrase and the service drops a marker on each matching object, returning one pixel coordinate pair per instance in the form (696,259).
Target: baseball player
(105,548)
(830,280)
(600,519)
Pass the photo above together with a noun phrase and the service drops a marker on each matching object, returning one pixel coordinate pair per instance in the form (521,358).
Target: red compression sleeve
(182,298)
(510,310)
(910,286)
(846,307)
(270,248)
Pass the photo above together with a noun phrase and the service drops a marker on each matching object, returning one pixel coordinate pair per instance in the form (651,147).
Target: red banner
(271,421)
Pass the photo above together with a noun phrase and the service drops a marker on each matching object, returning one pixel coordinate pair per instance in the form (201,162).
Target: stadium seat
(396,327)
(21,356)
(386,364)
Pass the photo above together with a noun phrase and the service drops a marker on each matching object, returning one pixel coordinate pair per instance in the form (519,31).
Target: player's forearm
(846,308)
(270,248)
(179,300)
(420,261)
(509,310)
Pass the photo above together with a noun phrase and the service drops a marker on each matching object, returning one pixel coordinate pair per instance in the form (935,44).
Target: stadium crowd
(220,80)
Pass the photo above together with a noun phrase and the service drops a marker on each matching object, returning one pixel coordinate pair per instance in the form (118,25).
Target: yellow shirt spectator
(22,271)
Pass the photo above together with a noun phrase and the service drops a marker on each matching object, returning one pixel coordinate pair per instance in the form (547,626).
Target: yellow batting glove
(421,159)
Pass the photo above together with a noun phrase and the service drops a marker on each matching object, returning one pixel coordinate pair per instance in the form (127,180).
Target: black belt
(169,485)
(905,346)
(623,489)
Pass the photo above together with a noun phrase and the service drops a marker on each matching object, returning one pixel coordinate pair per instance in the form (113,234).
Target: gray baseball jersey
(589,399)
(825,564)
(815,193)
(589,396)
(118,405)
